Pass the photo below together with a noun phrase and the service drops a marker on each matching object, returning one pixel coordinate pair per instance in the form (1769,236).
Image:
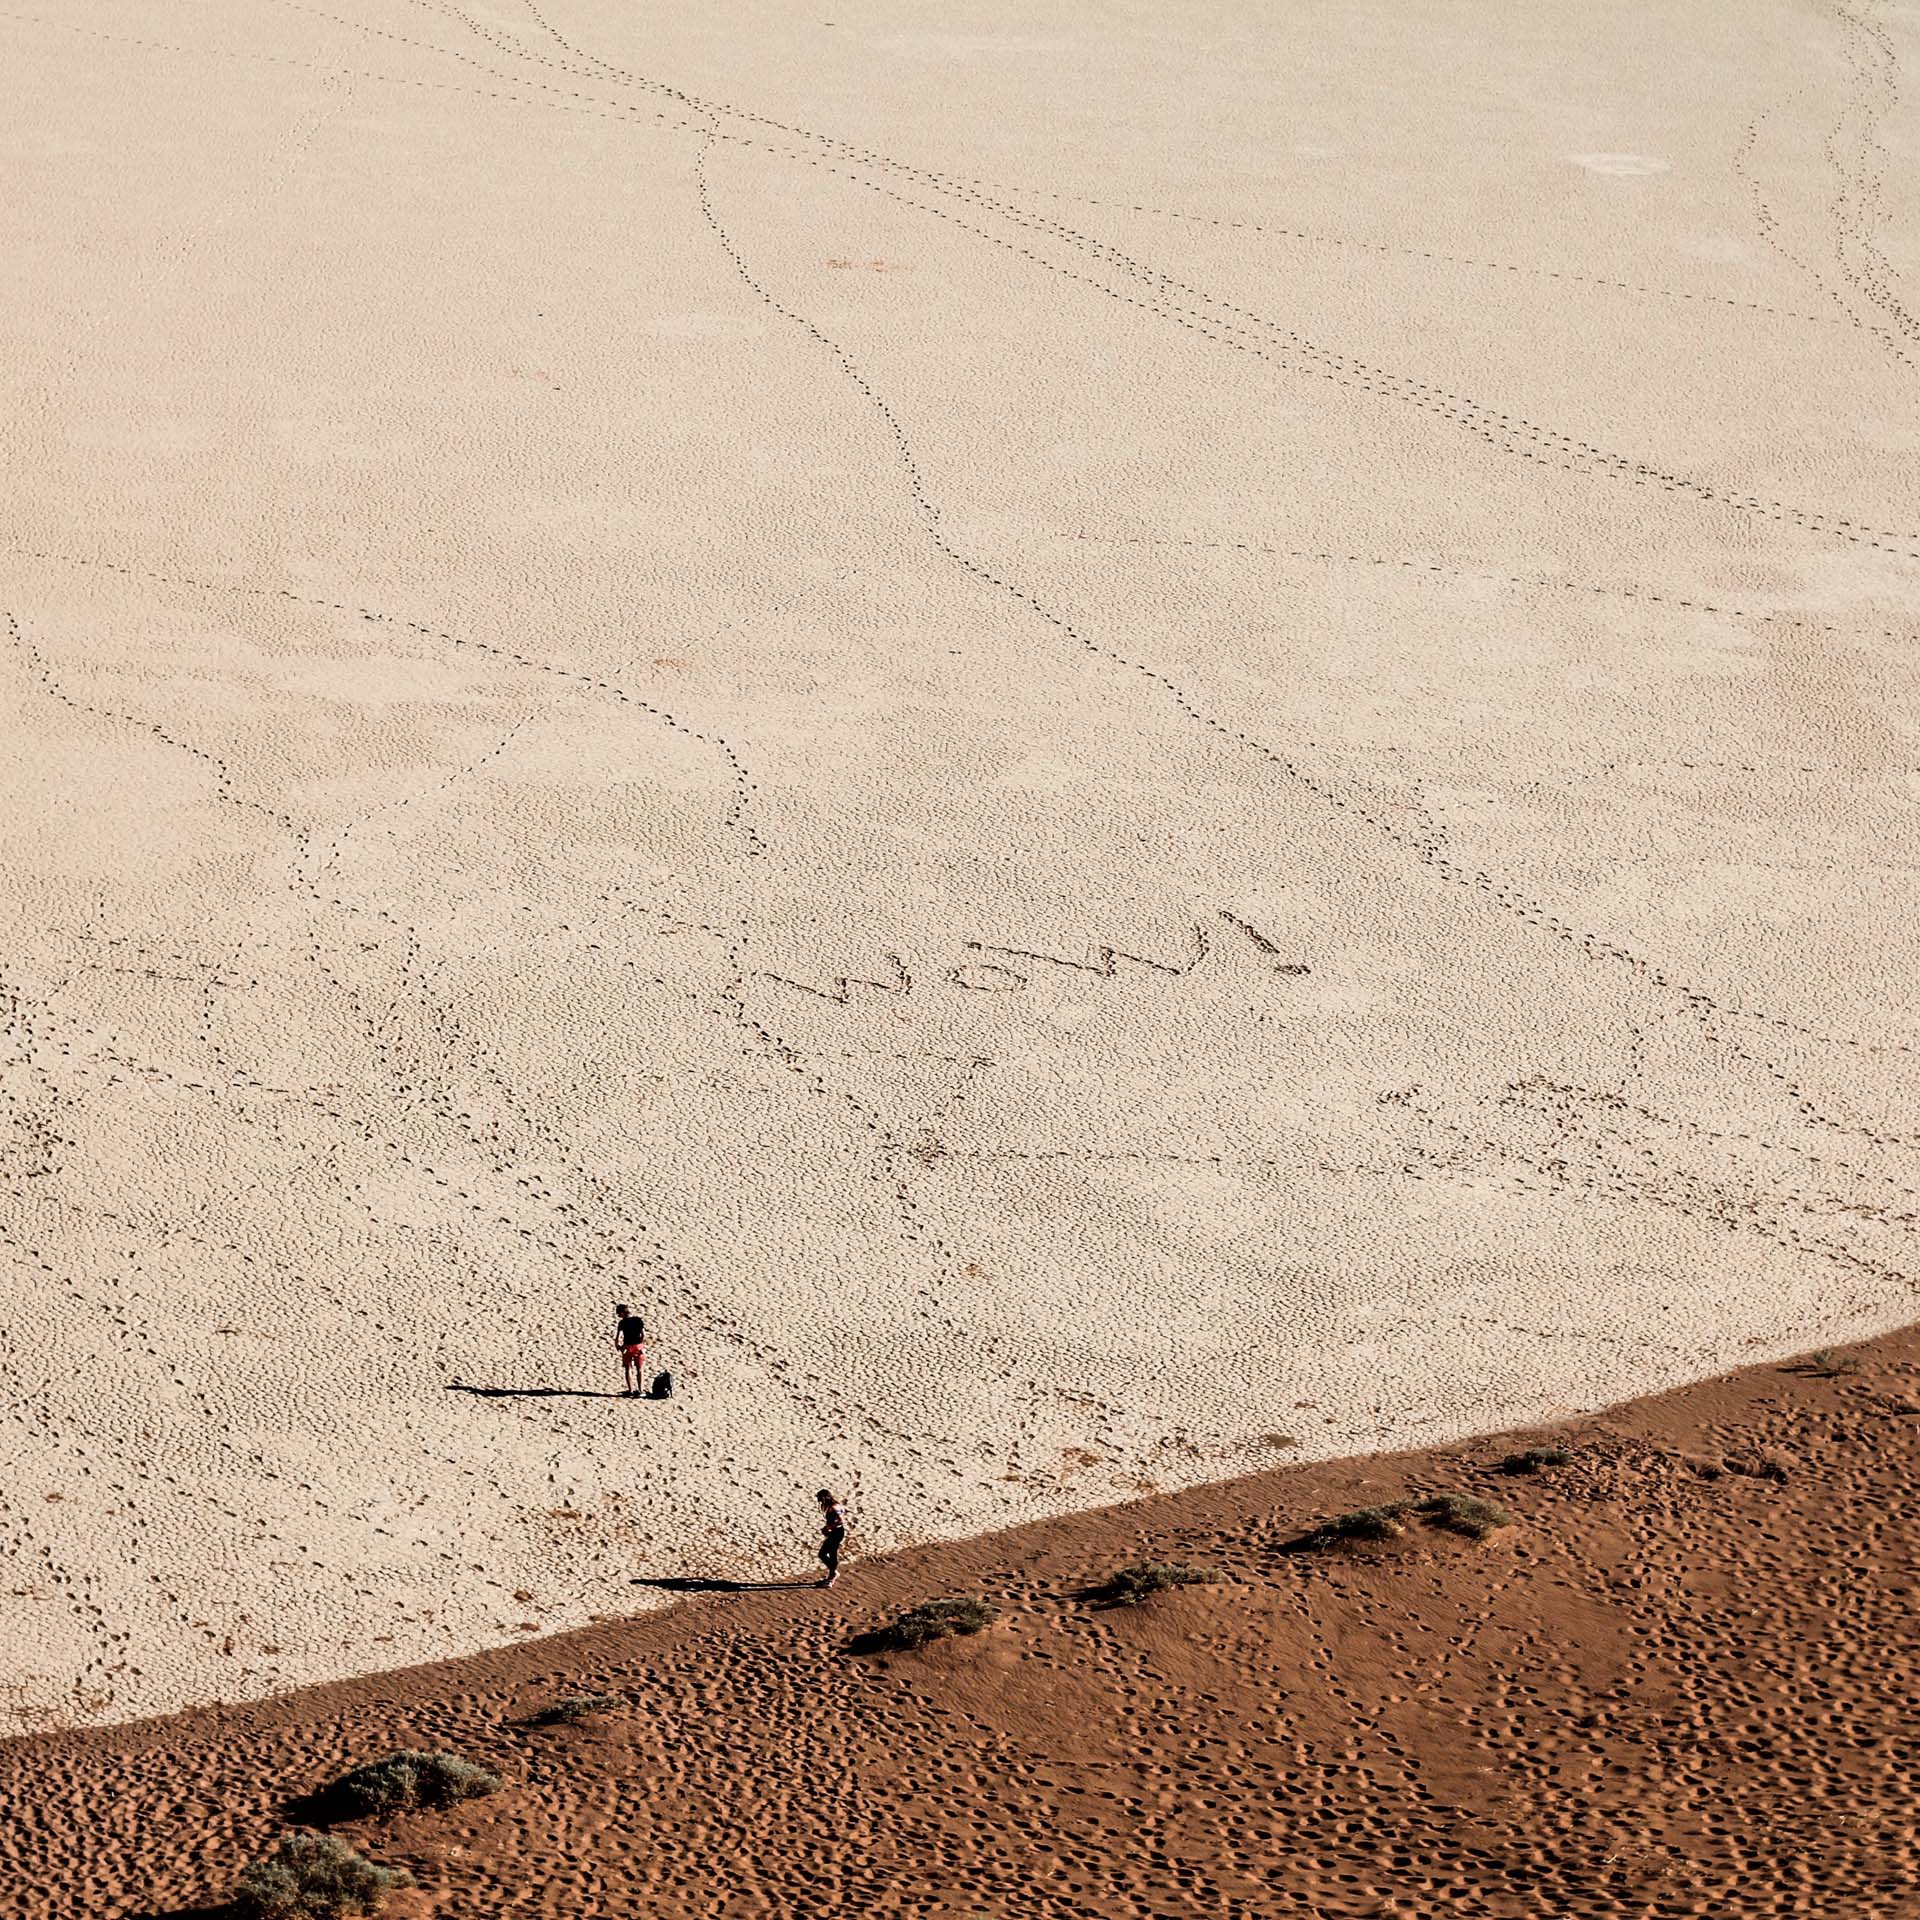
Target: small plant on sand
(1133,1584)
(313,1876)
(1462,1513)
(1383,1522)
(1826,1362)
(1760,1463)
(571,1708)
(933,1620)
(1534,1459)
(402,1782)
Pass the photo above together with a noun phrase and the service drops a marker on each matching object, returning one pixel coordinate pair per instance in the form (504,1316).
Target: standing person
(833,1534)
(630,1337)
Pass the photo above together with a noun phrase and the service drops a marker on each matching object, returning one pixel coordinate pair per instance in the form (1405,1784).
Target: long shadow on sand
(689,1583)
(537,1393)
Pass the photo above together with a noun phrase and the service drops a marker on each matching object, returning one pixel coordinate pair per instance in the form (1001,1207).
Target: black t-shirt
(633,1330)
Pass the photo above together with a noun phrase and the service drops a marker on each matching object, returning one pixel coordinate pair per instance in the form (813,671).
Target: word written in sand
(979,974)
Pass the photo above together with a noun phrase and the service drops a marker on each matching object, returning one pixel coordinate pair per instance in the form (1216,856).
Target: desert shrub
(1133,1584)
(1463,1513)
(1534,1459)
(313,1876)
(1825,1360)
(932,1620)
(403,1781)
(1759,1463)
(572,1708)
(1365,1523)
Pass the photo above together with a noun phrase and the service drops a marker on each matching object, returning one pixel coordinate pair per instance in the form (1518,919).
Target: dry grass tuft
(933,1620)
(571,1708)
(313,1876)
(1464,1513)
(1826,1362)
(1384,1522)
(1131,1585)
(402,1782)
(1534,1459)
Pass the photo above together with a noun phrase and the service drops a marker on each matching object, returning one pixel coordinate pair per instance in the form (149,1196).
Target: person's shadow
(537,1393)
(689,1583)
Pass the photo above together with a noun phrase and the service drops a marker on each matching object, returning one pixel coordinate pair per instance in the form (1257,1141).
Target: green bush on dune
(1383,1522)
(932,1620)
(1451,1512)
(403,1781)
(571,1708)
(1534,1459)
(1827,1361)
(313,1876)
(1133,1584)
(1463,1513)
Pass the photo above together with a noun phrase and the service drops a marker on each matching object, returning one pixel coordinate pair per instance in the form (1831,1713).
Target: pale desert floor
(1100,735)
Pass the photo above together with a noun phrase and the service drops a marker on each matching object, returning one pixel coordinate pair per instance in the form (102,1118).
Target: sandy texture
(1089,732)
(1679,1685)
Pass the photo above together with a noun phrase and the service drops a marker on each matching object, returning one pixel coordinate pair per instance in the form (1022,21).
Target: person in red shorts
(630,1338)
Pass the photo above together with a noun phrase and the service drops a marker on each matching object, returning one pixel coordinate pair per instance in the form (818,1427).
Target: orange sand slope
(1680,1684)
(1085,731)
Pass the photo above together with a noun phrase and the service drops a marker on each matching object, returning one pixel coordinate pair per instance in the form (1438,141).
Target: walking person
(833,1534)
(630,1338)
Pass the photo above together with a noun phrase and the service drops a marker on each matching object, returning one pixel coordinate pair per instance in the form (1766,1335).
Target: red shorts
(636,1354)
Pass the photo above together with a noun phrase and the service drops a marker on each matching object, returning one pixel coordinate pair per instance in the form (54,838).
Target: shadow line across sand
(692,1583)
(538,1393)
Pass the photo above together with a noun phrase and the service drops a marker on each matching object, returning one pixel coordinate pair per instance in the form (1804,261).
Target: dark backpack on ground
(662,1386)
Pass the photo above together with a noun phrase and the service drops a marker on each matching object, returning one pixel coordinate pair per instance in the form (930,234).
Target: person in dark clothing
(833,1534)
(630,1338)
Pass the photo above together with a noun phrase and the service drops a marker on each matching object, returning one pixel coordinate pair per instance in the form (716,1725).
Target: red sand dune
(1681,1684)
